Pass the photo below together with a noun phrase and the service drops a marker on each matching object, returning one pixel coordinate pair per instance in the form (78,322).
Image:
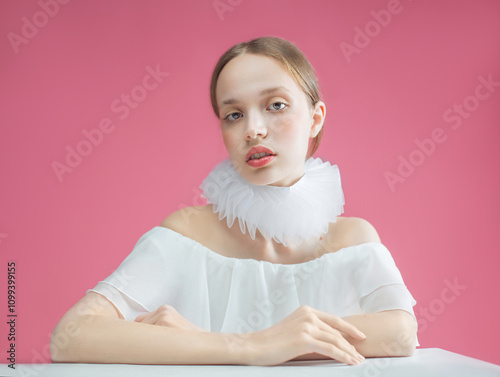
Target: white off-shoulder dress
(233,295)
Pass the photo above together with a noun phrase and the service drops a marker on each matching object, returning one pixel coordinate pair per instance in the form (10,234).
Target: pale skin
(388,333)
(284,121)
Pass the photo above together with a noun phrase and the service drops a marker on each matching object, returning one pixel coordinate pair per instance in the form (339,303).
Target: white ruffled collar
(286,214)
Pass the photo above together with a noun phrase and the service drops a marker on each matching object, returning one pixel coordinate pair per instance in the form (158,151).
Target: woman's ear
(318,118)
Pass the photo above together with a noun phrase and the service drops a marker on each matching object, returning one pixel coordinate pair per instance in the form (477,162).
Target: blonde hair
(292,59)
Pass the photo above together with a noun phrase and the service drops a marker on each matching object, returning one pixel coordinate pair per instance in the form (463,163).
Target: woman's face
(261,105)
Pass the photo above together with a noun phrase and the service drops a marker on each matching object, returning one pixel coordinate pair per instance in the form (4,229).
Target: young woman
(266,272)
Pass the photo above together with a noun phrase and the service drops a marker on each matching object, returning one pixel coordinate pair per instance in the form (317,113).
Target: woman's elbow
(405,335)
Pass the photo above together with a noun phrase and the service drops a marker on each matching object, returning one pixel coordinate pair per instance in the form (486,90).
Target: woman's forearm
(101,339)
(388,333)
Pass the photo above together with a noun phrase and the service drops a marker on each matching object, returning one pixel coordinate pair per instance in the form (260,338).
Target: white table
(426,362)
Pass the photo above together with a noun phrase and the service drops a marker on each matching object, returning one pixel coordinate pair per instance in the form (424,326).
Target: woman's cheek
(234,144)
(293,132)
(285,129)
(281,125)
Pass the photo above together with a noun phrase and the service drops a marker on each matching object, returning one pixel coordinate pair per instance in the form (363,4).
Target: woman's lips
(258,149)
(258,162)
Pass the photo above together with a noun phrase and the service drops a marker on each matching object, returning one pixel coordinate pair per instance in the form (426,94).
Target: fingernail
(362,335)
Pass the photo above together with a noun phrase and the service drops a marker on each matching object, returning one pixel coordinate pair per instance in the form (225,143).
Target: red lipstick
(261,160)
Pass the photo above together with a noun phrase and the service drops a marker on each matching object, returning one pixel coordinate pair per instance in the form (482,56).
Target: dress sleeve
(379,282)
(135,286)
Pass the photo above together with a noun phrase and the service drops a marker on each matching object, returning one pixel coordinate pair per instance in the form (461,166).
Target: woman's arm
(388,333)
(95,331)
(104,339)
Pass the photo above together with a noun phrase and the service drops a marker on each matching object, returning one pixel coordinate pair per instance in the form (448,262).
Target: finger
(148,318)
(340,324)
(333,336)
(327,349)
(139,318)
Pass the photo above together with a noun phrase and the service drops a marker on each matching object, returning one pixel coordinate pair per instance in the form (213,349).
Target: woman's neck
(271,250)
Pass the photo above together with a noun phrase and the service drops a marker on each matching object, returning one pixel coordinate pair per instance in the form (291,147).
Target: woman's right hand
(306,330)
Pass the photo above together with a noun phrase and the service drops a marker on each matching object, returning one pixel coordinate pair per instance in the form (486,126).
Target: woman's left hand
(167,316)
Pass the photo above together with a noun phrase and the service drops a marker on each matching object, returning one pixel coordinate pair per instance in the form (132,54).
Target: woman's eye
(231,115)
(278,105)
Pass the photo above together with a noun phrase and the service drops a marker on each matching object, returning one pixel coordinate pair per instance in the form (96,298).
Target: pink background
(441,224)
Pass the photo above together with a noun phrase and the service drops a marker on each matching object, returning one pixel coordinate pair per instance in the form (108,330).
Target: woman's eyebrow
(231,101)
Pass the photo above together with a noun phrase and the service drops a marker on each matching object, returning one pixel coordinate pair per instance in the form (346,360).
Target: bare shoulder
(186,220)
(354,231)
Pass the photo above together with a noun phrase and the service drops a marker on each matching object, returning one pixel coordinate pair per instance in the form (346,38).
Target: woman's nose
(255,127)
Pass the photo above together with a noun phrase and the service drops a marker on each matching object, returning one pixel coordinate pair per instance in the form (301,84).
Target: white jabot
(286,214)
(225,294)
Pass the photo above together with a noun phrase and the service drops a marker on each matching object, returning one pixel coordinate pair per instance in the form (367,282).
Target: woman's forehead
(249,75)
